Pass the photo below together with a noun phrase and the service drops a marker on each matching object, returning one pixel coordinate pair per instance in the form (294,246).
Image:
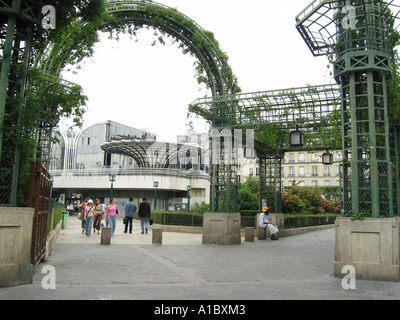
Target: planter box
(370,245)
(15,246)
(221,228)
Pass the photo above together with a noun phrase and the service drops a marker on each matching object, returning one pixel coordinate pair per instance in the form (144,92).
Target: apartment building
(299,168)
(307,169)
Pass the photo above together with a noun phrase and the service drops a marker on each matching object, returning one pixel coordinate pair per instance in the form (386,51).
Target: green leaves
(357,216)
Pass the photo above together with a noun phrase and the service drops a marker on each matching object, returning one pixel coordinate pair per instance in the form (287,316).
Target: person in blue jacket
(130,209)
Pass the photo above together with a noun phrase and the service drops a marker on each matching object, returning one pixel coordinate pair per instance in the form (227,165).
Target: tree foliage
(47,98)
(248,194)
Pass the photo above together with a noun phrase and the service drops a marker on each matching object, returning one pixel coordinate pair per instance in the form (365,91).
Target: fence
(39,198)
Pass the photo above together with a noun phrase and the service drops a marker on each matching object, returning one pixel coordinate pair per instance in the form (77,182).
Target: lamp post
(296,138)
(327,158)
(155,185)
(112,178)
(188,188)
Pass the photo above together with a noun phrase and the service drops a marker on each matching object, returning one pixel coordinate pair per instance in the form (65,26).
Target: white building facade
(83,165)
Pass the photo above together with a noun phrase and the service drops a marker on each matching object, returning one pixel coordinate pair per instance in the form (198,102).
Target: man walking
(144,215)
(130,209)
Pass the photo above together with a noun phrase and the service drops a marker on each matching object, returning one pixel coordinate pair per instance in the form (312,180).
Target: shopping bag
(273,229)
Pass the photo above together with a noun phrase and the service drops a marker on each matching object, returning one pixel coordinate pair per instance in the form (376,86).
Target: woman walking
(111,215)
(98,216)
(89,217)
(82,207)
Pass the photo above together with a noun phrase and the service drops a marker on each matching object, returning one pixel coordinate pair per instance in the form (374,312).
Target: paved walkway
(297,267)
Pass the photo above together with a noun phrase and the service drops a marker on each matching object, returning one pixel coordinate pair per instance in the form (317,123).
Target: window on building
(326,171)
(314,183)
(327,183)
(250,172)
(291,157)
(301,157)
(314,171)
(291,171)
(314,157)
(301,171)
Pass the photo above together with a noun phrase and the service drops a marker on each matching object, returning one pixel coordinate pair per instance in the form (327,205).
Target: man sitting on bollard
(263,223)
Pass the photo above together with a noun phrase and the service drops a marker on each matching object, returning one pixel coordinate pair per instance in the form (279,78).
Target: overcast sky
(150,88)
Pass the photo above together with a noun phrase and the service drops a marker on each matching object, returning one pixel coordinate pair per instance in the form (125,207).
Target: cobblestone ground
(297,267)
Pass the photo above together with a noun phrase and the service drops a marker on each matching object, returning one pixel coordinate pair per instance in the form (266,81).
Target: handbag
(150,221)
(124,221)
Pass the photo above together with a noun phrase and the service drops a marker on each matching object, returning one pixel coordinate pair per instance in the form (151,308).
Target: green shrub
(247,200)
(300,199)
(298,221)
(181,218)
(291,203)
(200,208)
(57,218)
(248,218)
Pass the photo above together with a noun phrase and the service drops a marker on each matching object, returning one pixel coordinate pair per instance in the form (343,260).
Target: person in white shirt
(263,223)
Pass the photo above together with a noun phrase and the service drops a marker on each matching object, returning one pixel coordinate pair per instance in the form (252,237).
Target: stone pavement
(297,267)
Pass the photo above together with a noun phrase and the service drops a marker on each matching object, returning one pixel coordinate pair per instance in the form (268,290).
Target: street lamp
(155,185)
(112,178)
(327,158)
(296,138)
(188,188)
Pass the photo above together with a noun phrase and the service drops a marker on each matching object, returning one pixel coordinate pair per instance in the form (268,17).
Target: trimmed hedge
(308,220)
(178,219)
(248,219)
(175,218)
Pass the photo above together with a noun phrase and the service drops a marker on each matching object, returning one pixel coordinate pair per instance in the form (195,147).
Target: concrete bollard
(157,236)
(106,235)
(249,234)
(261,233)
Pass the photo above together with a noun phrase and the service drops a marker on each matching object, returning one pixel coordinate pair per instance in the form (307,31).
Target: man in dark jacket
(130,209)
(144,215)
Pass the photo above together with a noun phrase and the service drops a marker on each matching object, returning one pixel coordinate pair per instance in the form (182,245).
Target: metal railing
(131,172)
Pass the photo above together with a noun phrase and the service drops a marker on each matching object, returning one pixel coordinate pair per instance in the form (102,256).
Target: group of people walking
(92,215)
